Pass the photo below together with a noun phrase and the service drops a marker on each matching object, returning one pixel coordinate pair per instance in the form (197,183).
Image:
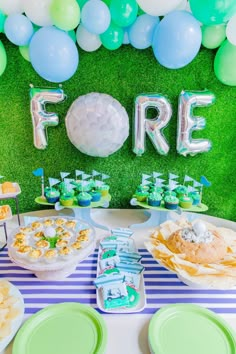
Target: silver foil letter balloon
(187,123)
(153,127)
(41,119)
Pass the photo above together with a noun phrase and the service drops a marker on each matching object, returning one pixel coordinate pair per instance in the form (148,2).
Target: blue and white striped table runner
(162,287)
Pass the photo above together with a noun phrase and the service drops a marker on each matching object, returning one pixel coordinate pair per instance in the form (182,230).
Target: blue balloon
(177,39)
(141,31)
(53,54)
(18,29)
(95,16)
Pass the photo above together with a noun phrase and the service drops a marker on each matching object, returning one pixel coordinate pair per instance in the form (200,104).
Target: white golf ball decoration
(97,124)
(50,232)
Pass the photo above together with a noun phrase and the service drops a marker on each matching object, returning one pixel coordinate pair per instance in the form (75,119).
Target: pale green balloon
(213,36)
(24,51)
(3,59)
(65,14)
(224,63)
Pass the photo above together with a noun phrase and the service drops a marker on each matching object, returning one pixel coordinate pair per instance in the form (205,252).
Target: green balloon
(213,12)
(123,12)
(2,21)
(213,36)
(113,37)
(65,14)
(81,3)
(72,35)
(3,59)
(107,2)
(24,51)
(224,63)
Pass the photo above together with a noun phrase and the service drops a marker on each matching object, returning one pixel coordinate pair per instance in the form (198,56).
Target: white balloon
(231,30)
(11,6)
(38,11)
(183,5)
(97,124)
(86,40)
(158,7)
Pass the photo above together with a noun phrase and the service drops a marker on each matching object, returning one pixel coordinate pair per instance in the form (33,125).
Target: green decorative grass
(124,74)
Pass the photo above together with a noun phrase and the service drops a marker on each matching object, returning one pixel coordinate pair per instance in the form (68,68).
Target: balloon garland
(48,32)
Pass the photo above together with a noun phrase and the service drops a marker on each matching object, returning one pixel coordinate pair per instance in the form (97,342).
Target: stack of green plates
(66,328)
(189,329)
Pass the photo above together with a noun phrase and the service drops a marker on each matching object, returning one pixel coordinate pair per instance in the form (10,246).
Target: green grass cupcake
(171,202)
(154,199)
(67,199)
(141,196)
(185,202)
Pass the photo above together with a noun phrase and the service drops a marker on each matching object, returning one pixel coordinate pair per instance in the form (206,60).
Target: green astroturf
(124,74)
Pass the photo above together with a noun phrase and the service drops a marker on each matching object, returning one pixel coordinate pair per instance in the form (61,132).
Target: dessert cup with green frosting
(154,199)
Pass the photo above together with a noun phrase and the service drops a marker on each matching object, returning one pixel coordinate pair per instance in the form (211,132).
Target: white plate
(16,323)
(60,267)
(10,195)
(142,302)
(8,215)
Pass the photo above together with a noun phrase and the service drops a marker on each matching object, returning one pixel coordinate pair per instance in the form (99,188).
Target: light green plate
(63,328)
(189,329)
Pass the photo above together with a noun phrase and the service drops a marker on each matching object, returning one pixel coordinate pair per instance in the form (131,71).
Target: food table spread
(161,286)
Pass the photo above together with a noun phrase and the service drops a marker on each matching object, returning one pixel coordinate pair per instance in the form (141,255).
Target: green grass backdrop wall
(124,74)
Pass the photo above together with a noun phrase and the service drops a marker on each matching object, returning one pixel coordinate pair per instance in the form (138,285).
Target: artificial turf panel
(123,74)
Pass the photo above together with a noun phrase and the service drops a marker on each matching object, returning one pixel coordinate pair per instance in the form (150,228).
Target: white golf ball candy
(199,227)
(50,232)
(97,124)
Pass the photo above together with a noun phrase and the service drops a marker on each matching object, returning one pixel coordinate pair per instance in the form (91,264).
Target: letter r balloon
(153,127)
(40,118)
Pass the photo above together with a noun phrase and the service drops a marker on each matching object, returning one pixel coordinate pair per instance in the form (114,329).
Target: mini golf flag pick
(105,176)
(85,176)
(40,173)
(95,173)
(64,174)
(204,181)
(187,179)
(78,173)
(156,174)
(159,183)
(197,184)
(172,176)
(172,184)
(53,181)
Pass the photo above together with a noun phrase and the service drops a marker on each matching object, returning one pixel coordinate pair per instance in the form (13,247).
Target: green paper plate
(185,329)
(63,328)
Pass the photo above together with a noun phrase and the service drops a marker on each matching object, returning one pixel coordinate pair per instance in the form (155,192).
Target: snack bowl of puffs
(11,312)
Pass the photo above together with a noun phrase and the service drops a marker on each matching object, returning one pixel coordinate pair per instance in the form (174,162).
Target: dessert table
(161,286)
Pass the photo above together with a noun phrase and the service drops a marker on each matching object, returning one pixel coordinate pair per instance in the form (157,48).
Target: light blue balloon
(95,16)
(177,39)
(141,31)
(18,29)
(53,54)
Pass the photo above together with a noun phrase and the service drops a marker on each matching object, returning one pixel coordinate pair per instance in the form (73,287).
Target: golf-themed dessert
(170,194)
(82,191)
